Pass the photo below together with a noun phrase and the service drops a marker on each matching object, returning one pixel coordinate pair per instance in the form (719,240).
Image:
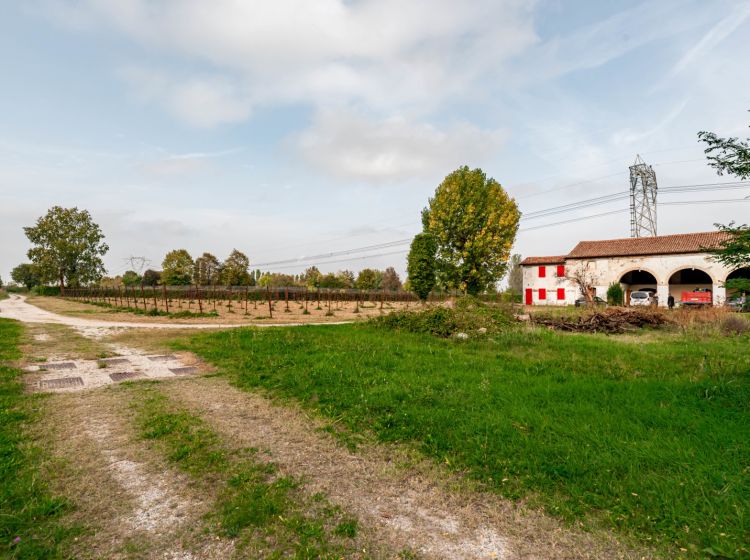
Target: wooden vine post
(270,307)
(166,301)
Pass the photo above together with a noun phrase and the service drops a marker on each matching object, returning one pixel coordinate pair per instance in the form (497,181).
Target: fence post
(270,308)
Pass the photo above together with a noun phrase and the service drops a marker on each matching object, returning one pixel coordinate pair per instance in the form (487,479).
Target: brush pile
(615,320)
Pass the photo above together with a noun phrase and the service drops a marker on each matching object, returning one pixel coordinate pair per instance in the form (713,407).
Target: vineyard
(252,302)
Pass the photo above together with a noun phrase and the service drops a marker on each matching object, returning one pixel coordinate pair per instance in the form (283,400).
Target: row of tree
(366,279)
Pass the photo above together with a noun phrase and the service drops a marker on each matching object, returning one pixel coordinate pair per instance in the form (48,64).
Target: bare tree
(585,279)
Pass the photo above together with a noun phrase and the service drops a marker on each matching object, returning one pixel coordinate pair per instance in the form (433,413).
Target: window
(560,294)
(542,293)
(561,271)
(542,271)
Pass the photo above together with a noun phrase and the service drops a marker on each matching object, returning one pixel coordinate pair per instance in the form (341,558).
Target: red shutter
(561,271)
(542,271)
(529,296)
(542,293)
(560,294)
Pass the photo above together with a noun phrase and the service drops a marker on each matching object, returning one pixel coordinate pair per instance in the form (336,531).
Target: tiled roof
(528,261)
(660,245)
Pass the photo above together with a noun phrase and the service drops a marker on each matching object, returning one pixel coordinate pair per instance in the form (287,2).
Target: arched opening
(738,283)
(690,280)
(637,281)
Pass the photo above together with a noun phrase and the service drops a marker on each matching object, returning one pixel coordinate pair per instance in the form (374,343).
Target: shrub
(46,290)
(734,324)
(614,294)
(468,315)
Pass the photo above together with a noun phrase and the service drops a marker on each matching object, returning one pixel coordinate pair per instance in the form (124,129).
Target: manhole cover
(121,376)
(114,360)
(184,370)
(162,358)
(62,383)
(59,365)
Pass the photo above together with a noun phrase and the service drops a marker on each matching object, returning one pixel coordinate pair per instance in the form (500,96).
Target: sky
(302,132)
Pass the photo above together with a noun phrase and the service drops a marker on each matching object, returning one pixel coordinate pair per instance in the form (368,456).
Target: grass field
(646,435)
(30,525)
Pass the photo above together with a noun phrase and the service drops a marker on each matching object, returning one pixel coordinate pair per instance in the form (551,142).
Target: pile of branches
(613,320)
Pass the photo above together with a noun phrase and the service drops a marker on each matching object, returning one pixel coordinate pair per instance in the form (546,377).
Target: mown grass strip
(646,437)
(31,525)
(268,514)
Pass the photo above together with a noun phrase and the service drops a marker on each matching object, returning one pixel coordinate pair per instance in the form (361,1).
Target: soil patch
(414,506)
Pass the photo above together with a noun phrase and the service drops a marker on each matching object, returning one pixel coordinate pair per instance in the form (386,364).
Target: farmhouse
(668,264)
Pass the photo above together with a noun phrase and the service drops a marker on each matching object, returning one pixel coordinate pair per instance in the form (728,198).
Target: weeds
(468,315)
(251,495)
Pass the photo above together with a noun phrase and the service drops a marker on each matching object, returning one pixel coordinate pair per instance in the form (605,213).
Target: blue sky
(293,128)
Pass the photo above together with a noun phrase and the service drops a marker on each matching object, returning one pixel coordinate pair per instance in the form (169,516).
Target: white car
(641,298)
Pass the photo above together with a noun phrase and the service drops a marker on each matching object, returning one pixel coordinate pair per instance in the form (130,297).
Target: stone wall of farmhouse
(612,269)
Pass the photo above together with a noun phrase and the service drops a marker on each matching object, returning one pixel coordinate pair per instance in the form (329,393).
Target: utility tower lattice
(642,199)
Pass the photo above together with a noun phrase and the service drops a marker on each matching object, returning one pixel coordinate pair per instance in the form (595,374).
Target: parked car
(642,297)
(737,303)
(698,297)
(581,301)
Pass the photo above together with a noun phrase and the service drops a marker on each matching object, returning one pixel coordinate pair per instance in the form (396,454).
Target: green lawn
(30,525)
(649,437)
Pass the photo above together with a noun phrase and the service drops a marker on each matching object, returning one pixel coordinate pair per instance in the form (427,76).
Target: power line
(337,253)
(574,206)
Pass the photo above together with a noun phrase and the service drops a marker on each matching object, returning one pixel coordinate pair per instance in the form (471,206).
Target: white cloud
(200,101)
(350,145)
(385,53)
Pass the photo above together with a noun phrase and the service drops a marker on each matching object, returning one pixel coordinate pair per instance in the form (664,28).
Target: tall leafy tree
(311,277)
(731,156)
(234,271)
(26,275)
(368,279)
(345,278)
(207,270)
(391,280)
(131,278)
(151,277)
(474,223)
(515,274)
(727,155)
(734,253)
(67,247)
(330,280)
(177,268)
(421,265)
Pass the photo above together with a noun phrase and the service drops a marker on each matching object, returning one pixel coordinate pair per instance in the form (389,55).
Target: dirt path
(138,506)
(16,307)
(408,507)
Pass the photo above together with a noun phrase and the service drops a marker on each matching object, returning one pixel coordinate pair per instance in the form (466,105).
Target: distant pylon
(642,199)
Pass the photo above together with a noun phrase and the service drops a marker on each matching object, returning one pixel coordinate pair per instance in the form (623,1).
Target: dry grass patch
(237,315)
(46,342)
(135,504)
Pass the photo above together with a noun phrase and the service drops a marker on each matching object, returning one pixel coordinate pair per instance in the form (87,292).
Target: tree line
(468,229)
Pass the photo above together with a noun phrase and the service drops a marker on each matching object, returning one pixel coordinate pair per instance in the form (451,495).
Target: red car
(699,296)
